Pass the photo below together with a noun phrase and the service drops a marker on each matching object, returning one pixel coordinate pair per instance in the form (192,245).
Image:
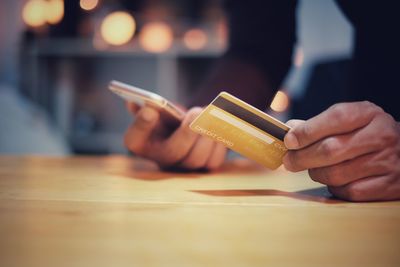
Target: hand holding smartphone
(168,140)
(169,113)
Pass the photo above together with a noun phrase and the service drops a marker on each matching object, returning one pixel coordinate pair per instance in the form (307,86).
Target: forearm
(261,40)
(240,78)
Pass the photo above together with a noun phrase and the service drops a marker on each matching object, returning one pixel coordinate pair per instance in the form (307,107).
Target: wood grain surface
(121,211)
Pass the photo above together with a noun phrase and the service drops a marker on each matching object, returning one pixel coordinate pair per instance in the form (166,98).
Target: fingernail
(291,141)
(147,115)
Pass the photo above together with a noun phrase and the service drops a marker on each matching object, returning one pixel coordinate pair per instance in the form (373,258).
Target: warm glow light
(54,11)
(88,4)
(299,58)
(118,28)
(195,39)
(156,37)
(222,33)
(280,102)
(34,13)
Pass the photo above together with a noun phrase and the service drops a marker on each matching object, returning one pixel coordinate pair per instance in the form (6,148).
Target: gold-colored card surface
(244,129)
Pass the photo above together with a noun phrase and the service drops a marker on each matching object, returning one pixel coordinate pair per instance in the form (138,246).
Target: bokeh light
(156,37)
(222,33)
(118,28)
(54,11)
(34,13)
(88,4)
(195,39)
(281,102)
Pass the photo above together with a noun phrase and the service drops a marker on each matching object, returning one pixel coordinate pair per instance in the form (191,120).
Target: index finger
(338,119)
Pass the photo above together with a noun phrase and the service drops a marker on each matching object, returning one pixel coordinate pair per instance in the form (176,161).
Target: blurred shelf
(69,77)
(85,47)
(98,143)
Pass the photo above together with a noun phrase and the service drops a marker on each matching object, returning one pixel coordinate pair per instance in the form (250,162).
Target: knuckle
(329,147)
(340,111)
(390,135)
(146,116)
(371,107)
(368,104)
(350,112)
(391,164)
(304,130)
(390,138)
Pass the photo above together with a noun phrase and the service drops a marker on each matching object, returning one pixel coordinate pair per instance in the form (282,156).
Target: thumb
(290,140)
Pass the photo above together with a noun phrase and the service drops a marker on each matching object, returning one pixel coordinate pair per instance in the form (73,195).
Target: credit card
(244,129)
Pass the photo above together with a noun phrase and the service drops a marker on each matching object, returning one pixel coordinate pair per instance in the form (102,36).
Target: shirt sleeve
(261,41)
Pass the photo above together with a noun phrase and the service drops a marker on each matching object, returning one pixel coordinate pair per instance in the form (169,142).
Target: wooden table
(118,211)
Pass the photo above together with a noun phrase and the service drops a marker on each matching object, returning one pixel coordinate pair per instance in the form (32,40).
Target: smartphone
(169,113)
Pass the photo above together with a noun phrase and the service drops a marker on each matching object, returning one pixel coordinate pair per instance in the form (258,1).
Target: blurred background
(57,57)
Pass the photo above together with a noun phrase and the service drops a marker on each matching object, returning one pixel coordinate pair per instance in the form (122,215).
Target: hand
(353,148)
(148,137)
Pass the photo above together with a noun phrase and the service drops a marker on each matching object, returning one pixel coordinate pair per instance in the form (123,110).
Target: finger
(199,154)
(338,119)
(137,135)
(289,139)
(373,164)
(217,157)
(336,149)
(368,189)
(173,149)
(132,107)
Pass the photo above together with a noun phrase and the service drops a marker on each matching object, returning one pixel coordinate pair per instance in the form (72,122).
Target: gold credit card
(244,129)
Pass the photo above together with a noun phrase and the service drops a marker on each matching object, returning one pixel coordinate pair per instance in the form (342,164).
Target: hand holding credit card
(244,129)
